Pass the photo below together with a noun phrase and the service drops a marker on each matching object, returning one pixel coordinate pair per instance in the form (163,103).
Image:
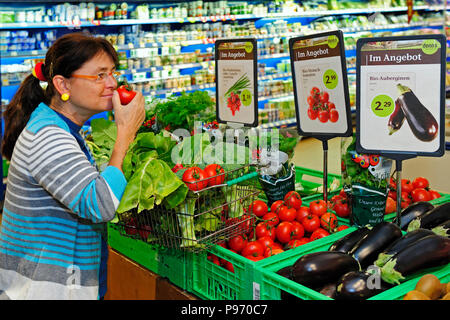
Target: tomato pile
(412,191)
(198,179)
(285,225)
(340,204)
(234,102)
(320,107)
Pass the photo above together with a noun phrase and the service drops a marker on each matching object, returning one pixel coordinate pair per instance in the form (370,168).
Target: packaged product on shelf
(365,179)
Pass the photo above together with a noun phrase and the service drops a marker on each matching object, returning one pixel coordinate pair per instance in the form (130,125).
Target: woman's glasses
(101,77)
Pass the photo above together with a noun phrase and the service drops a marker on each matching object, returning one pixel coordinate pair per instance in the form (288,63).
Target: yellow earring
(65,97)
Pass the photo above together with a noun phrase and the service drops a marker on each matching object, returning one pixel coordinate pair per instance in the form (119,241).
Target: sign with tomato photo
(236,81)
(401,95)
(320,85)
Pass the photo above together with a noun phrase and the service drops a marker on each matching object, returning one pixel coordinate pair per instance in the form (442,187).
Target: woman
(52,239)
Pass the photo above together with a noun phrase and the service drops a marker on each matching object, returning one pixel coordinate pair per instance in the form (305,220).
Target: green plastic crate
(271,284)
(169,263)
(213,282)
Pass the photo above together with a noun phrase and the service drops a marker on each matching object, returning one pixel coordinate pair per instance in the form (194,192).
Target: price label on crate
(236,81)
(401,95)
(320,85)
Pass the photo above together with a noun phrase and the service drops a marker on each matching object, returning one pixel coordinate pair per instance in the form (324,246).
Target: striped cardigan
(56,206)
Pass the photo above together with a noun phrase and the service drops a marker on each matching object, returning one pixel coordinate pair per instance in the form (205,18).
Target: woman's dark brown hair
(64,57)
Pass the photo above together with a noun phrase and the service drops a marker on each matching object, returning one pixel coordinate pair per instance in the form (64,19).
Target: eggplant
(413,211)
(421,121)
(379,238)
(345,244)
(287,273)
(400,244)
(432,218)
(443,229)
(314,270)
(428,252)
(359,285)
(397,118)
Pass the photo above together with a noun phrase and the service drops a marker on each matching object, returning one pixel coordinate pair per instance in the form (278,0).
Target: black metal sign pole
(325,169)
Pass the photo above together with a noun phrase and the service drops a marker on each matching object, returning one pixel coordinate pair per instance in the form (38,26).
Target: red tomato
(331,106)
(255,258)
(293,200)
(144,231)
(126,94)
(341,227)
(324,96)
(342,209)
(284,232)
(195,178)
(266,242)
(318,207)
(328,221)
(323,116)
(277,245)
(254,249)
(319,233)
(420,182)
(258,208)
(392,194)
(315,91)
(311,223)
(270,251)
(407,186)
(334,115)
(215,173)
(237,243)
(297,230)
(420,194)
(262,229)
(406,199)
(312,114)
(229,266)
(391,206)
(271,218)
(311,101)
(288,214)
(301,213)
(434,194)
(297,242)
(275,205)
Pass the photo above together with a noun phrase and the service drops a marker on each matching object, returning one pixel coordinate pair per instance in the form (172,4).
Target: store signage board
(400,94)
(400,98)
(322,103)
(236,81)
(319,75)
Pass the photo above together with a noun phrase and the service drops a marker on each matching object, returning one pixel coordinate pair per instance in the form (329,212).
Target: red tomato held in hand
(125,94)
(293,200)
(195,178)
(420,182)
(284,232)
(318,207)
(311,223)
(258,208)
(215,173)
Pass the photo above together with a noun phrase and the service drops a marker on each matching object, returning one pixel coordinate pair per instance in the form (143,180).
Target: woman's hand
(128,119)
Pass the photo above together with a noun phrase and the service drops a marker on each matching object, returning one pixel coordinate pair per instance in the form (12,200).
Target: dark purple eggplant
(443,229)
(428,252)
(345,244)
(400,244)
(287,273)
(413,211)
(397,118)
(314,270)
(421,121)
(379,238)
(431,218)
(359,285)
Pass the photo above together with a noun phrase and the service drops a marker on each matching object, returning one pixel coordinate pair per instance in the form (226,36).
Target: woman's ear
(61,84)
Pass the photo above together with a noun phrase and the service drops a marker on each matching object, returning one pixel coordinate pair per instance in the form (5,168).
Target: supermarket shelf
(281,123)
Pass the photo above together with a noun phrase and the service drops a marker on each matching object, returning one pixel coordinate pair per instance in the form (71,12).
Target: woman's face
(92,95)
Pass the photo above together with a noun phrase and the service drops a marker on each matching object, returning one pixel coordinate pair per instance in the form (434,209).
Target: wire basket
(207,217)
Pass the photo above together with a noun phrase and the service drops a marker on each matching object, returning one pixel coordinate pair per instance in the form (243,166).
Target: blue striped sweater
(56,206)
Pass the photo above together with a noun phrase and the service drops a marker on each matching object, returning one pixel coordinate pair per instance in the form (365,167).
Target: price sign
(401,95)
(320,85)
(236,81)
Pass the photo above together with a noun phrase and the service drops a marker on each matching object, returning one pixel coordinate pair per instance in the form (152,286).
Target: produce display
(429,287)
(368,261)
